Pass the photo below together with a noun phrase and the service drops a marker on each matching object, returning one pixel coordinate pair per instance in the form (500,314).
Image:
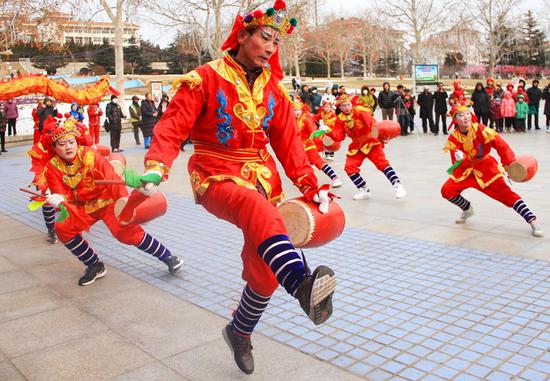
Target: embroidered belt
(231,154)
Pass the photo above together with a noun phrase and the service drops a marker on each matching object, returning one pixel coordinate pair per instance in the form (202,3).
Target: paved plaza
(418,297)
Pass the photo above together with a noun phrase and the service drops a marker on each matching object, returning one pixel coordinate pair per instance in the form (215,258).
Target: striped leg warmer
(391,175)
(48,212)
(249,311)
(152,246)
(80,248)
(327,169)
(284,261)
(520,207)
(358,180)
(461,202)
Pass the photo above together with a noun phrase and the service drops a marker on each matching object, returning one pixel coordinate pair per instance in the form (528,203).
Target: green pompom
(270,12)
(293,22)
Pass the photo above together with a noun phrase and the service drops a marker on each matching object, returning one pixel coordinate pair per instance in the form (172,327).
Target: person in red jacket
(70,174)
(457,96)
(94,117)
(327,116)
(470,145)
(356,122)
(233,107)
(306,126)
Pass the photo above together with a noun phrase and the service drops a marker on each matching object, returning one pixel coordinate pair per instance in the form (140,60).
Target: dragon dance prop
(40,84)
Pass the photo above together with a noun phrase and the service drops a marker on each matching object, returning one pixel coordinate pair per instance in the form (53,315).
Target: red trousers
(257,218)
(127,234)
(376,155)
(94,131)
(315,159)
(36,136)
(498,190)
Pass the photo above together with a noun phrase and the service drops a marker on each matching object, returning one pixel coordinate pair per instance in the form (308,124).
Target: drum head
(327,141)
(517,172)
(298,220)
(118,166)
(119,207)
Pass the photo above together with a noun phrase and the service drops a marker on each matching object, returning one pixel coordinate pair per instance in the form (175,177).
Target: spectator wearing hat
(480,100)
(45,109)
(3,122)
(135,117)
(426,102)
(149,116)
(114,121)
(522,109)
(315,100)
(546,97)
(535,95)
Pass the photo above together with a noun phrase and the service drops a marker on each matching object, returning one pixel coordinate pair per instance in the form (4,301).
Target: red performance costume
(70,173)
(327,116)
(94,116)
(356,122)
(306,126)
(232,114)
(474,167)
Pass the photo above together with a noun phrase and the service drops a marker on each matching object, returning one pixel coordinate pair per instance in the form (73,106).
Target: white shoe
(536,229)
(465,215)
(400,192)
(363,194)
(336,183)
(547,129)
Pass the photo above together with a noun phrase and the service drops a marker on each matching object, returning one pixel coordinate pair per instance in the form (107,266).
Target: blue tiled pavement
(404,309)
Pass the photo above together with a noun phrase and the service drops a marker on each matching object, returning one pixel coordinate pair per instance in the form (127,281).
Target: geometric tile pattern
(404,309)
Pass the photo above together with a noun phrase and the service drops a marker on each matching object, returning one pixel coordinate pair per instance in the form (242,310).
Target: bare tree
(491,16)
(419,17)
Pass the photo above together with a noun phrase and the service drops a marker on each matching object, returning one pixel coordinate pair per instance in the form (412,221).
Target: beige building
(61,27)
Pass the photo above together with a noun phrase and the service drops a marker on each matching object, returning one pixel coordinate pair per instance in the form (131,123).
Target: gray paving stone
(9,373)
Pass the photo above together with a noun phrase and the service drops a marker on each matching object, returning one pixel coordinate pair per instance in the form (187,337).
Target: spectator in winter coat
(534,95)
(546,97)
(510,88)
(495,118)
(373,93)
(45,109)
(328,97)
(305,96)
(521,90)
(366,98)
(135,117)
(490,87)
(94,121)
(114,115)
(457,96)
(408,98)
(522,109)
(426,102)
(74,112)
(12,113)
(3,123)
(480,100)
(498,92)
(400,110)
(440,101)
(508,110)
(315,99)
(386,101)
(148,119)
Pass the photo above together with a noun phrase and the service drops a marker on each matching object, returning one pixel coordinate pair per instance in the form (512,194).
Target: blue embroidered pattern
(225,131)
(270,113)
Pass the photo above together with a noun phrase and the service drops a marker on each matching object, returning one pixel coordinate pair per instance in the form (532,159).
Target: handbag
(106,125)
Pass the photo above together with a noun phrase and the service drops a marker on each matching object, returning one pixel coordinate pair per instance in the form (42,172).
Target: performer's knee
(265,286)
(448,192)
(130,235)
(351,168)
(65,232)
(381,164)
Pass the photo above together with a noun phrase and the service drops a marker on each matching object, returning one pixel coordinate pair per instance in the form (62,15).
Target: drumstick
(110,182)
(30,192)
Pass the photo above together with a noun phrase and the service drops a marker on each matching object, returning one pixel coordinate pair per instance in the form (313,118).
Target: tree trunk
(364,65)
(341,67)
(328,69)
(119,54)
(296,63)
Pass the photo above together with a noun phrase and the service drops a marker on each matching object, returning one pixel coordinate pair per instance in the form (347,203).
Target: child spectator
(495,118)
(508,110)
(409,104)
(522,109)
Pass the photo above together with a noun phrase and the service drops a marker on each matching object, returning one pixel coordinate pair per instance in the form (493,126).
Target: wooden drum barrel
(523,168)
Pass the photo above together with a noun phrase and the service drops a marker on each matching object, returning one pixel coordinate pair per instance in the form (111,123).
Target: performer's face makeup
(346,107)
(256,48)
(66,148)
(298,112)
(463,120)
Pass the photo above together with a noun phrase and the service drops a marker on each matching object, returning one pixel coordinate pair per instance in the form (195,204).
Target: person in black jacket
(149,115)
(45,109)
(440,98)
(480,100)
(546,97)
(386,101)
(114,115)
(426,102)
(535,95)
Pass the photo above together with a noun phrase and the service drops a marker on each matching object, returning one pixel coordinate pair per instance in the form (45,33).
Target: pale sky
(163,36)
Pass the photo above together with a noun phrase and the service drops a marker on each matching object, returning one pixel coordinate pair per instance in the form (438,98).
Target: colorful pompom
(279,4)
(67,115)
(293,22)
(258,14)
(290,30)
(270,12)
(248,18)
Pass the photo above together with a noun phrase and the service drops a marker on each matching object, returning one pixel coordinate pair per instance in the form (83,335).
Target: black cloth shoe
(52,237)
(4,150)
(315,294)
(241,348)
(174,264)
(92,273)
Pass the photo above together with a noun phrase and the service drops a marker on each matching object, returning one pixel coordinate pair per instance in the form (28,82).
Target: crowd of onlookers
(515,108)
